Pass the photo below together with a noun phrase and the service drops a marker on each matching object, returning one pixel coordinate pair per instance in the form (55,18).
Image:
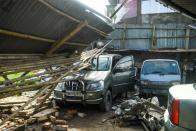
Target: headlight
(144,82)
(175,83)
(99,85)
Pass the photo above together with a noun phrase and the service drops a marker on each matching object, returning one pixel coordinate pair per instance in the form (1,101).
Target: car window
(160,67)
(100,64)
(124,64)
(115,60)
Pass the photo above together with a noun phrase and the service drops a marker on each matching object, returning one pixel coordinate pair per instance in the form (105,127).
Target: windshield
(100,64)
(160,67)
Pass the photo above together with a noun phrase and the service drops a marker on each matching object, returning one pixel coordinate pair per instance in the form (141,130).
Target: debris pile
(139,110)
(36,74)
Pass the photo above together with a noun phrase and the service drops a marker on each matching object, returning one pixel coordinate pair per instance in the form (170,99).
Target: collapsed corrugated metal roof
(185,6)
(36,26)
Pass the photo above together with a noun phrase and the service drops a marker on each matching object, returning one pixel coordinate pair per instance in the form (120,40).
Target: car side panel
(188,113)
(169,126)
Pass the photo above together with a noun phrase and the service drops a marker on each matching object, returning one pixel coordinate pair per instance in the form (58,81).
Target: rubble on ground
(140,111)
(47,117)
(15,114)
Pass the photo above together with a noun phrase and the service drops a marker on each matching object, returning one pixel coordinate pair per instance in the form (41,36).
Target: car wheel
(106,104)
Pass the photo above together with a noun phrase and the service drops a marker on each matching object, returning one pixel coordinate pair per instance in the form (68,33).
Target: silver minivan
(158,75)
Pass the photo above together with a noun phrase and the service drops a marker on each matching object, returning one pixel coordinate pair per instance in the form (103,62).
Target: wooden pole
(32,76)
(66,38)
(153,37)
(37,64)
(25,36)
(116,11)
(187,38)
(37,38)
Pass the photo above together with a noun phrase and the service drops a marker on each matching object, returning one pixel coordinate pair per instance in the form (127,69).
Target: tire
(106,104)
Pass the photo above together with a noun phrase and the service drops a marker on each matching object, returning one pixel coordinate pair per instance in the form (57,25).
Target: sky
(98,5)
(148,7)
(151,6)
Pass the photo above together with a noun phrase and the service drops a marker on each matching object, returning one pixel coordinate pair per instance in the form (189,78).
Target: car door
(124,74)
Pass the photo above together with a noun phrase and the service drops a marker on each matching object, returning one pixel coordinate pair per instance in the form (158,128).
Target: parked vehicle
(181,111)
(108,76)
(158,75)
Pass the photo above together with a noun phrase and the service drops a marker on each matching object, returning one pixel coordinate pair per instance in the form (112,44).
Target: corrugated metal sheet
(139,37)
(192,44)
(33,17)
(185,6)
(173,32)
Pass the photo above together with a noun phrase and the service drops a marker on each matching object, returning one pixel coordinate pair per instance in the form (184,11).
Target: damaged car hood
(96,75)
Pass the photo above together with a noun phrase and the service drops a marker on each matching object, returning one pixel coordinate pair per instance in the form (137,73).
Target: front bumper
(154,89)
(88,97)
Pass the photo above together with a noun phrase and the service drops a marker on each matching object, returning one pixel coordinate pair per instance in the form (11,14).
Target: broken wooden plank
(44,113)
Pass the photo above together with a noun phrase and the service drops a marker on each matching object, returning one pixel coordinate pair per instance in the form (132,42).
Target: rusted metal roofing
(148,37)
(48,19)
(185,6)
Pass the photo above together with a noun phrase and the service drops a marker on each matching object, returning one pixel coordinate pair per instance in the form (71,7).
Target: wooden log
(29,87)
(21,35)
(37,38)
(34,65)
(34,68)
(32,81)
(12,103)
(44,113)
(31,76)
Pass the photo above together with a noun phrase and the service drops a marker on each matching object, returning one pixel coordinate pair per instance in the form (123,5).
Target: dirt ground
(94,117)
(93,121)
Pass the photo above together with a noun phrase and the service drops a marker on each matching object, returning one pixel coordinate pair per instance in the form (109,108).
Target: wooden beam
(25,36)
(116,11)
(67,37)
(76,44)
(71,18)
(37,38)
(187,38)
(153,37)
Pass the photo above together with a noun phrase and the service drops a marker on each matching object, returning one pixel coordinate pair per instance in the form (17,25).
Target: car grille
(159,83)
(74,85)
